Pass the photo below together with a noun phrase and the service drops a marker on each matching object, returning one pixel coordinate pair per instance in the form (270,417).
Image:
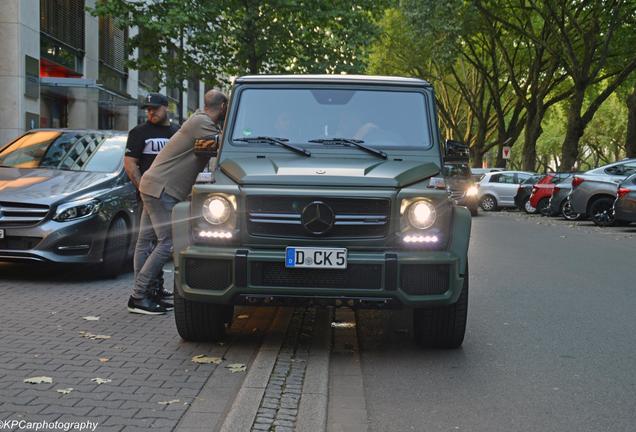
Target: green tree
(225,38)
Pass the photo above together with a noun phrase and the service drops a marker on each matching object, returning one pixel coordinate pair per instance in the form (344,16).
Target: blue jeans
(150,257)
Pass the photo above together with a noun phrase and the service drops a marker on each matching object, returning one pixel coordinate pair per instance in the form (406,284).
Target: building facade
(62,67)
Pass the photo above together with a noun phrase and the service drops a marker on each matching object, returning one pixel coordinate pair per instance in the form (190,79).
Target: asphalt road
(550,346)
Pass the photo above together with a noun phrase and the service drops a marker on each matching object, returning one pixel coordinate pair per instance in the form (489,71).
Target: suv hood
(43,186)
(328,171)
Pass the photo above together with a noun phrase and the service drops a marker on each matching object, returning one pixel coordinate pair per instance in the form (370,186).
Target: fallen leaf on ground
(203,359)
(343,324)
(242,317)
(91,318)
(65,391)
(103,359)
(39,380)
(91,336)
(168,402)
(236,367)
(101,380)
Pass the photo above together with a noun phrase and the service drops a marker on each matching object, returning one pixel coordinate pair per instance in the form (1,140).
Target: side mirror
(456,152)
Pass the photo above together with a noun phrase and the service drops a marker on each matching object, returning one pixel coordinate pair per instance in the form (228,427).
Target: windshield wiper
(274,140)
(350,142)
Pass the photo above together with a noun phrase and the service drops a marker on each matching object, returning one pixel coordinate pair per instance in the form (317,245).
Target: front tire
(200,322)
(442,327)
(115,249)
(488,203)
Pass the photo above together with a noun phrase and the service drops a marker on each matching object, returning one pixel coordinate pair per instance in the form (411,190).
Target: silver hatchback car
(498,189)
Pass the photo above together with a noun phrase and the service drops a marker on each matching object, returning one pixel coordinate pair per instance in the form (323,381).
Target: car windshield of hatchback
(69,151)
(329,117)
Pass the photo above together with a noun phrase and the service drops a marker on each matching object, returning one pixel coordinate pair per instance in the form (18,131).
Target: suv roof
(331,79)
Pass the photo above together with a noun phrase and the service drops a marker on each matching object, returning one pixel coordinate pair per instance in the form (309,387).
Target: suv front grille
(275,216)
(15,214)
(355,276)
(19,243)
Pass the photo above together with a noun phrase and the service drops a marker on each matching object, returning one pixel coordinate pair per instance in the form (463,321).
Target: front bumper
(625,209)
(80,241)
(236,275)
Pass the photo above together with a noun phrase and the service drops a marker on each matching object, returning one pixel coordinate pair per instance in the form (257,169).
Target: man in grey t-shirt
(168,181)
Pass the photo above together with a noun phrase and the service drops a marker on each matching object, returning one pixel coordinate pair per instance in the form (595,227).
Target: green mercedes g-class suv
(320,196)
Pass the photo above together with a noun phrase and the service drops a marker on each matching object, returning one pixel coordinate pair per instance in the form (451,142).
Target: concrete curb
(243,411)
(312,412)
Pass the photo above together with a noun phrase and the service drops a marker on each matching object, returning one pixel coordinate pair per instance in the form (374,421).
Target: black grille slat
(276,216)
(356,276)
(208,274)
(424,279)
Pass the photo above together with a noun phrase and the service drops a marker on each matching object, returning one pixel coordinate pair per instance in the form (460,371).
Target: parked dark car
(594,192)
(65,198)
(461,185)
(524,190)
(559,204)
(625,204)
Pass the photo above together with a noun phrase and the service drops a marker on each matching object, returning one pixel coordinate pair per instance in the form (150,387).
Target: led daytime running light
(420,239)
(216,234)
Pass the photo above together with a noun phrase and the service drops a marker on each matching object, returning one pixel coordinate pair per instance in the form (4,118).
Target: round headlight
(421,214)
(217,210)
(472,191)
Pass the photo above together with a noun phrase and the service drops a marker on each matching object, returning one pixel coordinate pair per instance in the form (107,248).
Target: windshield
(69,151)
(383,119)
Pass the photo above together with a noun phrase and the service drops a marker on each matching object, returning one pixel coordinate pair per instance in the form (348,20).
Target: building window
(112,55)
(62,35)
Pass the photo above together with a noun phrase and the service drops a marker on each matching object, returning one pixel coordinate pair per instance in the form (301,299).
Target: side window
(507,178)
(521,178)
(622,169)
(495,178)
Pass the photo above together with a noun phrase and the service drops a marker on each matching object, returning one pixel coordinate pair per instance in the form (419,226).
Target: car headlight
(472,191)
(76,210)
(217,210)
(421,214)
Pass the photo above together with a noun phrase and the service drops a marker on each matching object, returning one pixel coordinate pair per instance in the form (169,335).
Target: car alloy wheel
(488,203)
(602,212)
(568,213)
(527,207)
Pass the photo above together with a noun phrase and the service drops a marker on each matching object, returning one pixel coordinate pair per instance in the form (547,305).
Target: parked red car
(542,191)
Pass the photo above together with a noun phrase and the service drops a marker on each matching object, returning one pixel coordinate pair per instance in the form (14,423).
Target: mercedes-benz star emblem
(317,217)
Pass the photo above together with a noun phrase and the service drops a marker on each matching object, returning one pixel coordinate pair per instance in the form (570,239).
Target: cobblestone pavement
(278,410)
(149,379)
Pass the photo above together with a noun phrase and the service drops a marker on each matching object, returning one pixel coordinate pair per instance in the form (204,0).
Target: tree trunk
(476,156)
(630,142)
(532,133)
(574,132)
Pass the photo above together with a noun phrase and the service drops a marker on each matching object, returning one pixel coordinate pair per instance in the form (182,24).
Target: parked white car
(498,189)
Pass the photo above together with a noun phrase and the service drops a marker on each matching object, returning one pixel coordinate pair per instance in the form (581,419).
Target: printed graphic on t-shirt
(154,145)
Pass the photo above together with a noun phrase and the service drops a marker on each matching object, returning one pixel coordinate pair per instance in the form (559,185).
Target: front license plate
(303,257)
(1,233)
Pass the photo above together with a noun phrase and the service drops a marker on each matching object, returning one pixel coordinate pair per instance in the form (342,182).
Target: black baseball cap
(154,100)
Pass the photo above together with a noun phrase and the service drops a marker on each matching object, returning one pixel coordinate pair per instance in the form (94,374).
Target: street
(550,346)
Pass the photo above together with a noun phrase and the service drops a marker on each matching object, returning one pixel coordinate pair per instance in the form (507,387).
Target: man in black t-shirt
(145,141)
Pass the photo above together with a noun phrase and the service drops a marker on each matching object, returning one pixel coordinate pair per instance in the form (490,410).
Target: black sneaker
(164,294)
(166,304)
(146,306)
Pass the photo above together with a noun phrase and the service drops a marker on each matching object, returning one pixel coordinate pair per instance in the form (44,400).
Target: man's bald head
(213,99)
(215,104)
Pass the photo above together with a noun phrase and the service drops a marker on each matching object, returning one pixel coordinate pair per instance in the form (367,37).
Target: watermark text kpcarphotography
(43,425)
